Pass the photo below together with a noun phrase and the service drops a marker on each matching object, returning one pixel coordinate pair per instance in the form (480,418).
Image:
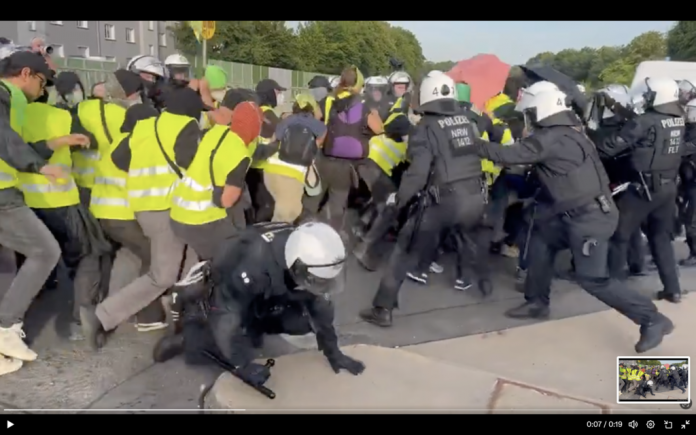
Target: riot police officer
(447,187)
(655,141)
(687,173)
(574,211)
(607,101)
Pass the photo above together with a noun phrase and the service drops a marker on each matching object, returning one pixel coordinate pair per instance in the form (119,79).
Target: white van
(664,68)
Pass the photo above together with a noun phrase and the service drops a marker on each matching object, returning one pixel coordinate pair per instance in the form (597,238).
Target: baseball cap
(34,61)
(306,100)
(319,82)
(235,96)
(267,85)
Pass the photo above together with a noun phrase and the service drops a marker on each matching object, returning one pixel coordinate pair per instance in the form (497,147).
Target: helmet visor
(321,280)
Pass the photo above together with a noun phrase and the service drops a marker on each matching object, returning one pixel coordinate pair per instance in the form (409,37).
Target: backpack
(298,146)
(346,136)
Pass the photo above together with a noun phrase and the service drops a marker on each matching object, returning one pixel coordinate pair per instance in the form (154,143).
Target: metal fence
(238,74)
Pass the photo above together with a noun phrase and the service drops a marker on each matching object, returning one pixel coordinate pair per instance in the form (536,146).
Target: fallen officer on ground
(273,278)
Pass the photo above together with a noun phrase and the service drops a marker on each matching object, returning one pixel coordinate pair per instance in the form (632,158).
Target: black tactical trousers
(586,233)
(636,252)
(461,209)
(659,217)
(689,217)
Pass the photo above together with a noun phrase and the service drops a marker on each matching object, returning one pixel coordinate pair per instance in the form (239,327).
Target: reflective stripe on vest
(45,122)
(192,200)
(89,112)
(386,152)
(109,199)
(150,178)
(274,165)
(8,174)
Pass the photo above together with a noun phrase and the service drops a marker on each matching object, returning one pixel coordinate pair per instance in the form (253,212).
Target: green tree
(681,41)
(269,43)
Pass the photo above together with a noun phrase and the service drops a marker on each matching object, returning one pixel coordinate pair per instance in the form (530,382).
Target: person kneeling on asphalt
(644,387)
(275,278)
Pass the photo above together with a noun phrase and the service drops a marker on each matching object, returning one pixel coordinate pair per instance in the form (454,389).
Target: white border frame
(652,402)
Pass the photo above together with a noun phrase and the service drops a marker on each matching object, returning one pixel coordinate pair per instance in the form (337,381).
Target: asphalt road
(122,375)
(663,393)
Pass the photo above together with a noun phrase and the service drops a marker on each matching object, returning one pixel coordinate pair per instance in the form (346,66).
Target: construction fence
(238,74)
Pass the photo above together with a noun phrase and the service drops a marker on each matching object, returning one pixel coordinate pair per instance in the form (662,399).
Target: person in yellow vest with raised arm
(103,120)
(109,199)
(206,208)
(58,206)
(24,78)
(153,156)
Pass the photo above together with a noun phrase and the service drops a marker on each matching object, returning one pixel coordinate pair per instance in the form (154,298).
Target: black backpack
(298,146)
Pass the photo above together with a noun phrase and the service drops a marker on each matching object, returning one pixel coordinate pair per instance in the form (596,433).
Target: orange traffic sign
(208,29)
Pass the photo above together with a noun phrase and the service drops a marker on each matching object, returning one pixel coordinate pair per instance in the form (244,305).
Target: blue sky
(515,42)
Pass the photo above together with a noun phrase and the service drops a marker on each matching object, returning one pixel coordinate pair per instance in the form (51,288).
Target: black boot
(485,286)
(651,335)
(362,254)
(377,316)
(168,347)
(92,328)
(688,262)
(528,310)
(674,298)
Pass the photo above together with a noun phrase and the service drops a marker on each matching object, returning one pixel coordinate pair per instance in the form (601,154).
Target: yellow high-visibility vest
(45,122)
(385,151)
(103,121)
(192,201)
(150,178)
(109,199)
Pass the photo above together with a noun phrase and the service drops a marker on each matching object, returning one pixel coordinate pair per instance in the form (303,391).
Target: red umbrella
(484,73)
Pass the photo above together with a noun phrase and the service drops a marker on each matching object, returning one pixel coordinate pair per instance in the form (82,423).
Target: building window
(163,39)
(152,50)
(150,25)
(83,24)
(130,36)
(83,52)
(109,32)
(31,25)
(57,23)
(58,50)
(110,58)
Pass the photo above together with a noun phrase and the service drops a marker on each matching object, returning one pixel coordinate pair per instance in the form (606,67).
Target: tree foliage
(649,362)
(321,46)
(681,41)
(597,67)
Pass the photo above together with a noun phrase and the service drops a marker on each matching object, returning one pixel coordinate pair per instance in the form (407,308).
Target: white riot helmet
(315,257)
(687,90)
(400,78)
(582,88)
(334,81)
(618,93)
(541,105)
(691,112)
(650,383)
(654,91)
(437,86)
(178,66)
(527,94)
(376,87)
(146,64)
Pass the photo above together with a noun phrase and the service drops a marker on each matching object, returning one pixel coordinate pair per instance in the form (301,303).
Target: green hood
(463,92)
(216,77)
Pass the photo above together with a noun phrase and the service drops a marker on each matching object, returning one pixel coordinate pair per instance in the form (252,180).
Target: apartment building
(105,40)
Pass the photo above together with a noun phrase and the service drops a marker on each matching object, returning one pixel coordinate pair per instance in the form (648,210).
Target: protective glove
(345,362)
(391,200)
(254,374)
